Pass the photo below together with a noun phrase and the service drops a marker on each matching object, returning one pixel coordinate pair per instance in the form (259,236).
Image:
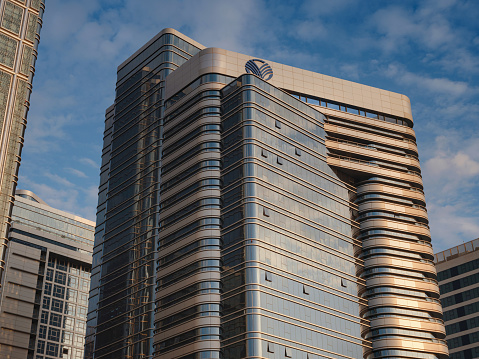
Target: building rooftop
(457,251)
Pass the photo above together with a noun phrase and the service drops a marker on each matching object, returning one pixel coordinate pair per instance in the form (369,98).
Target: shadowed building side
(20,24)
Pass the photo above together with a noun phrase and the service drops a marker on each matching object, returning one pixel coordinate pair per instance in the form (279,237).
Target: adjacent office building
(20,24)
(253,209)
(458,276)
(46,282)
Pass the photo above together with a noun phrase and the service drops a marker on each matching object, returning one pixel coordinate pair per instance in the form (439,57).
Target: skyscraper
(47,279)
(253,209)
(20,24)
(458,276)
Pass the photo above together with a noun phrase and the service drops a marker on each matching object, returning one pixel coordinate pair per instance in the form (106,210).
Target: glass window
(68,323)
(55,320)
(46,303)
(82,311)
(67,337)
(49,275)
(60,278)
(41,346)
(61,265)
(52,349)
(73,281)
(54,334)
(44,317)
(48,289)
(72,295)
(57,305)
(70,308)
(59,291)
(42,332)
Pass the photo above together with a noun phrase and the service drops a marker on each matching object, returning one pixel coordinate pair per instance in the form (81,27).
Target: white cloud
(76,172)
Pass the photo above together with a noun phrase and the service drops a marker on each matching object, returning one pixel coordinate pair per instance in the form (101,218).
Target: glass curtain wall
(289,254)
(122,296)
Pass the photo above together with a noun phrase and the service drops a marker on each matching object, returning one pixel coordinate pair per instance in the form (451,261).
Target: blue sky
(428,50)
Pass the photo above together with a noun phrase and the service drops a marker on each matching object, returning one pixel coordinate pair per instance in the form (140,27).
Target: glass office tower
(20,24)
(289,219)
(47,280)
(458,276)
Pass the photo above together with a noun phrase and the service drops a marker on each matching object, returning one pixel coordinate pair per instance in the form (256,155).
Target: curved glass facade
(240,218)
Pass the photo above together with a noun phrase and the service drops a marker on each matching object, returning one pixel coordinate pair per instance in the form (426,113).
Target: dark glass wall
(122,296)
(289,265)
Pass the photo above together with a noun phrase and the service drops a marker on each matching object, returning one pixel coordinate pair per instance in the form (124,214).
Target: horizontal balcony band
(371,137)
(371,152)
(388,189)
(391,281)
(365,169)
(404,303)
(372,205)
(387,260)
(415,247)
(409,323)
(379,223)
(184,283)
(411,345)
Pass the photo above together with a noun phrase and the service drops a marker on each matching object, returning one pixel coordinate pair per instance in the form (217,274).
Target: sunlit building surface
(20,24)
(47,280)
(250,209)
(458,276)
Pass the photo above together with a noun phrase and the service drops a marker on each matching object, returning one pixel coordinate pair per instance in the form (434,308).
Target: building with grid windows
(458,276)
(47,280)
(253,209)
(20,24)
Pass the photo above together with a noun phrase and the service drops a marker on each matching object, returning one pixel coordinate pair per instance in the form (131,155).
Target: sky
(427,50)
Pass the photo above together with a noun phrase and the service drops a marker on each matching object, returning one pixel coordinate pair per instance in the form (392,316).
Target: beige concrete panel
(198,158)
(14,290)
(199,277)
(408,323)
(26,279)
(400,263)
(9,352)
(404,344)
(14,306)
(397,191)
(192,301)
(15,322)
(408,145)
(392,207)
(197,215)
(404,303)
(14,338)
(23,264)
(395,225)
(391,281)
(352,148)
(362,167)
(196,256)
(398,244)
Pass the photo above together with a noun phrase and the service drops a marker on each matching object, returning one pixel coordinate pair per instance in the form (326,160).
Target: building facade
(20,24)
(47,280)
(458,276)
(253,209)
